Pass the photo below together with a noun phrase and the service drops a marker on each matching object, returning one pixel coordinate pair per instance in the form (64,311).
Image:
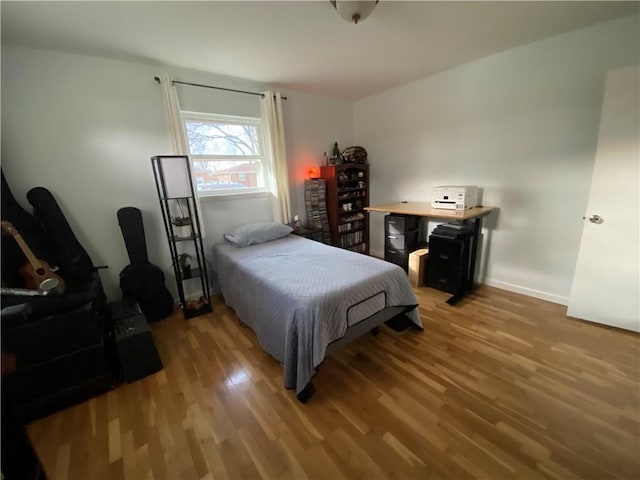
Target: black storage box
(401,238)
(448,264)
(135,348)
(61,348)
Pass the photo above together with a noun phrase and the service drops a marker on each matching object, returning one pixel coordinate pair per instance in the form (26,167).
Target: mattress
(299,296)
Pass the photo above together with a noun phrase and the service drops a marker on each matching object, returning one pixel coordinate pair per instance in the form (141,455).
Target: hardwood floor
(499,386)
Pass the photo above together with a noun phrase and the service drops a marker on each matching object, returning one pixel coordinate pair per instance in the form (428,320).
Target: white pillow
(253,233)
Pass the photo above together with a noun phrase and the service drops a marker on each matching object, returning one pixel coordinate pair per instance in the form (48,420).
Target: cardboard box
(418,267)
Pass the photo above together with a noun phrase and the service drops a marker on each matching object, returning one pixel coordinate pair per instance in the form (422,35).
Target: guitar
(36,273)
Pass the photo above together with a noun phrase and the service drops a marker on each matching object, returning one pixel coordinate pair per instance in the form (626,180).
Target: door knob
(597,219)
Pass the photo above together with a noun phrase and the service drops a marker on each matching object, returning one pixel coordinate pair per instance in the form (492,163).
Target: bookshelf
(347,198)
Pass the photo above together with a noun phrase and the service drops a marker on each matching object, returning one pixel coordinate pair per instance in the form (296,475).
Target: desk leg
(477,227)
(455,299)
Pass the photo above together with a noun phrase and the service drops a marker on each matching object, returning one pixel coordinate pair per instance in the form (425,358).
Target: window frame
(264,157)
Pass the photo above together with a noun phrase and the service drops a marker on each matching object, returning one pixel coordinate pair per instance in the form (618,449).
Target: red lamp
(314,172)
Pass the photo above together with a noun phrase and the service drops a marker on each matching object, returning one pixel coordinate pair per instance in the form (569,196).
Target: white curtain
(172,116)
(176,131)
(273,124)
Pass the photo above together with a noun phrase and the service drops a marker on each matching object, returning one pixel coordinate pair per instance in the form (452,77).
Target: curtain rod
(157,79)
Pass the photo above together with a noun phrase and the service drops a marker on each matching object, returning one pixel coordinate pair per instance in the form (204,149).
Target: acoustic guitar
(36,273)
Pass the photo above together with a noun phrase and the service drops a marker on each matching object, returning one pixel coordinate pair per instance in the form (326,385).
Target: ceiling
(299,45)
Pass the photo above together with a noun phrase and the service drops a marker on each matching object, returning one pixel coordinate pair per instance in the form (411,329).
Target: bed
(303,299)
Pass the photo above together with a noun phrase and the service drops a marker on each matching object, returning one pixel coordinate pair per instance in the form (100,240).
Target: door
(605,286)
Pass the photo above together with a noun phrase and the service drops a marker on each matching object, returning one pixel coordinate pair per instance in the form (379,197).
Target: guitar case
(141,280)
(31,230)
(73,259)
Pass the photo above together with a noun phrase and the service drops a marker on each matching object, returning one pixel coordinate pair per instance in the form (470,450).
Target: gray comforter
(296,294)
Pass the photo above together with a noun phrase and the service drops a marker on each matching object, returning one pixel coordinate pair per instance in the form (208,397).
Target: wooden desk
(420,209)
(425,210)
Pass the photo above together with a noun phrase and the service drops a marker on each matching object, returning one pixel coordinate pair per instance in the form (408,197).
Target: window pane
(212,176)
(218,138)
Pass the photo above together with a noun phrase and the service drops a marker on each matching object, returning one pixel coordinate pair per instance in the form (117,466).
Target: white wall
(86,127)
(522,125)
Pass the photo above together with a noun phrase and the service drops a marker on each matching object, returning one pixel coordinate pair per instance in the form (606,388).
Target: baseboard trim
(549,297)
(530,292)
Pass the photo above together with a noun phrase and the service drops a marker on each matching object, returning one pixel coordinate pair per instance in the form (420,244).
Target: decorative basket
(354,155)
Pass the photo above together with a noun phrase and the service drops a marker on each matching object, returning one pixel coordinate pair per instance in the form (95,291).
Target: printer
(454,197)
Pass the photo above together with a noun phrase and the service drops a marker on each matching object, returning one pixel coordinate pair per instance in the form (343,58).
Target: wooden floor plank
(498,386)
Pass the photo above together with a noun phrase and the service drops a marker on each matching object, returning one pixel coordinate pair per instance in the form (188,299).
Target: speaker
(136,350)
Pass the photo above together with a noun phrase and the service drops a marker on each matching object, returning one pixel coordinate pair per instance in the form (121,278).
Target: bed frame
(370,324)
(297,323)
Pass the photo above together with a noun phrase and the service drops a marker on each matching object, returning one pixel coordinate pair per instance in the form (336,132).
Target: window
(227,153)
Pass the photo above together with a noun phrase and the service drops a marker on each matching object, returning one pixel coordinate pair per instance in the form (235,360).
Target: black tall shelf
(177,200)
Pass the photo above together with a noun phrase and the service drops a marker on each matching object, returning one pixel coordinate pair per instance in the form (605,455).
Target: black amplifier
(136,350)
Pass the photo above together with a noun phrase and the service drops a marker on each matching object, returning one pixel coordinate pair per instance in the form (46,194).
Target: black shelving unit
(177,200)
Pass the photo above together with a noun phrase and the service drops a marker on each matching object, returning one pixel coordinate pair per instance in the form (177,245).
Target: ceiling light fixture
(354,11)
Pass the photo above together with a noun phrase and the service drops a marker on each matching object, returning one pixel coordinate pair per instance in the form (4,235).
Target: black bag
(144,282)
(72,258)
(32,232)
(141,280)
